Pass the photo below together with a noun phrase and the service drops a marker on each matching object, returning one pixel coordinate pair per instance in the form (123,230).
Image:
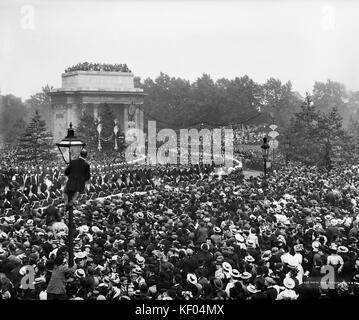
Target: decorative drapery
(99,129)
(113,135)
(115,130)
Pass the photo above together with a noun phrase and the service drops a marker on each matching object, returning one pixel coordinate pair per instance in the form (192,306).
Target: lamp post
(265,153)
(68,147)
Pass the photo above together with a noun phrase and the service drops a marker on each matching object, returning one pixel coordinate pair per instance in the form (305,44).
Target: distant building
(90,90)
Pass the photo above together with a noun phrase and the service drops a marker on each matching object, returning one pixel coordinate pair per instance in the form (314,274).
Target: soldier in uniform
(34,189)
(27,182)
(51,192)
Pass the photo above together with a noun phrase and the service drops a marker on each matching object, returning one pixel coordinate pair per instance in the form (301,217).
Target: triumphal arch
(89,87)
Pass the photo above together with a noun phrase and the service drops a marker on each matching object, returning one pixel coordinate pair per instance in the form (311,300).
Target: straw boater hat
(343,249)
(80,273)
(235,274)
(239,238)
(95,229)
(249,259)
(246,275)
(250,243)
(252,289)
(217,230)
(226,266)
(140,260)
(192,278)
(83,229)
(289,283)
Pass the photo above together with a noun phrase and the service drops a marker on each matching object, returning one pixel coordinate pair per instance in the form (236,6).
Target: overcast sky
(301,41)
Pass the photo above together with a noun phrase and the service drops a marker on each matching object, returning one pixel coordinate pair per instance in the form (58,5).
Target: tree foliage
(178,103)
(87,132)
(317,138)
(35,144)
(41,103)
(12,112)
(329,95)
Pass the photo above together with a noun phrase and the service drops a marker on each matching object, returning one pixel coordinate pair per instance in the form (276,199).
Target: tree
(41,102)
(331,135)
(302,133)
(240,99)
(35,144)
(279,101)
(317,138)
(329,95)
(12,110)
(87,132)
(17,130)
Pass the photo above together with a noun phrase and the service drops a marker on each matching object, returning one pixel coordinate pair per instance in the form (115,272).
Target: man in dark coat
(78,172)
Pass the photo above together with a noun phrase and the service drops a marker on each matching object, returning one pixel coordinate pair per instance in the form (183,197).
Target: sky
(300,41)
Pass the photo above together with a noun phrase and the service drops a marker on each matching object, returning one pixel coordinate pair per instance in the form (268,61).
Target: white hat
(252,289)
(226,267)
(192,278)
(80,255)
(289,283)
(83,229)
(235,274)
(95,229)
(246,275)
(249,259)
(140,215)
(217,230)
(239,237)
(80,273)
(342,249)
(140,260)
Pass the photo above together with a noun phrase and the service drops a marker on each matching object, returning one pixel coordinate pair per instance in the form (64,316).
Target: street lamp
(68,147)
(265,153)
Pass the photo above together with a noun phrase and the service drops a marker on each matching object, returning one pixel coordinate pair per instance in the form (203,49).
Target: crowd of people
(89,66)
(250,134)
(184,233)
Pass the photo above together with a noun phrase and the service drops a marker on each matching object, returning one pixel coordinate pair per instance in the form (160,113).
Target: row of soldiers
(22,189)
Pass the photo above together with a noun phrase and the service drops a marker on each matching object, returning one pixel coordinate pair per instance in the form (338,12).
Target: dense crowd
(192,235)
(249,134)
(89,66)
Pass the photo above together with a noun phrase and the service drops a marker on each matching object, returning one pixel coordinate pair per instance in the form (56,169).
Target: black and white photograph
(179,157)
